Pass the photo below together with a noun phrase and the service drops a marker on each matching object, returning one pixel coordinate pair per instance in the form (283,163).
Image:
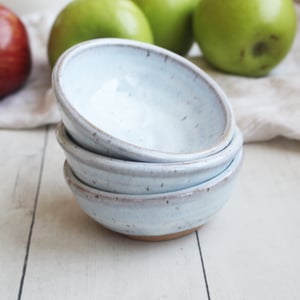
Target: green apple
(245,37)
(83,20)
(171,22)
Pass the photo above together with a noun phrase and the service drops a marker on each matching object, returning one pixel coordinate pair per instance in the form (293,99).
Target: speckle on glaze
(128,177)
(133,96)
(156,217)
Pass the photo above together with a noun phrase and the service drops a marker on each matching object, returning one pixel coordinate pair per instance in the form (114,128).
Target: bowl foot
(165,237)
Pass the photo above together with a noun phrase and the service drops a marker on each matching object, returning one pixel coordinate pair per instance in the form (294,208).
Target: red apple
(15,55)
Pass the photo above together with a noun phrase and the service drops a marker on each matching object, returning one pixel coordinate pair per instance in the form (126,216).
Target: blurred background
(25,7)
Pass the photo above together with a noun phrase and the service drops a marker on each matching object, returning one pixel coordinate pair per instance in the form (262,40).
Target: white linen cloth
(264,107)
(33,105)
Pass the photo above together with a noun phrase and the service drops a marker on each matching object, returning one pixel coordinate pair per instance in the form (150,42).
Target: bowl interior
(144,96)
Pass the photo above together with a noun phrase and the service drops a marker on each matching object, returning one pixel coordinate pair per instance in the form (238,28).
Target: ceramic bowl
(136,101)
(157,216)
(129,177)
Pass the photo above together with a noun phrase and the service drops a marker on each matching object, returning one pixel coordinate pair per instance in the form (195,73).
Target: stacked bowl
(152,148)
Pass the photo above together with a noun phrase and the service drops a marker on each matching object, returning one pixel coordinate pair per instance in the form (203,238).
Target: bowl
(129,177)
(158,216)
(135,101)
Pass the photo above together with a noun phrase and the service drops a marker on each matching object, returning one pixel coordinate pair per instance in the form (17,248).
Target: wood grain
(251,251)
(20,161)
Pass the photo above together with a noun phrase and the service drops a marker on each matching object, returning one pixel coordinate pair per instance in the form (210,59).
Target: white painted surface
(20,162)
(256,256)
(250,250)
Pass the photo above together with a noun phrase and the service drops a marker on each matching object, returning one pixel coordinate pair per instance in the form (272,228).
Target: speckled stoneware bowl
(158,216)
(136,101)
(129,177)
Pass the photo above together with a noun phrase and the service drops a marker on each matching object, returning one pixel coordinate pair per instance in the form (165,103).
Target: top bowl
(135,101)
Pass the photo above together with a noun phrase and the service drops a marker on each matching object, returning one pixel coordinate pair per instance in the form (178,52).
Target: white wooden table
(49,249)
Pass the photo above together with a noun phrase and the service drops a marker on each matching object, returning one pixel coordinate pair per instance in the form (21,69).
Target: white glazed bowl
(129,177)
(157,216)
(136,101)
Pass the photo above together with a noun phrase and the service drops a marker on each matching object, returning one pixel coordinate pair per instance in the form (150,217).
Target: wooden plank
(20,161)
(251,251)
(72,257)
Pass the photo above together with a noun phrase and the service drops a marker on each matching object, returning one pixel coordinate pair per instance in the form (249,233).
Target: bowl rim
(97,195)
(102,162)
(133,151)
